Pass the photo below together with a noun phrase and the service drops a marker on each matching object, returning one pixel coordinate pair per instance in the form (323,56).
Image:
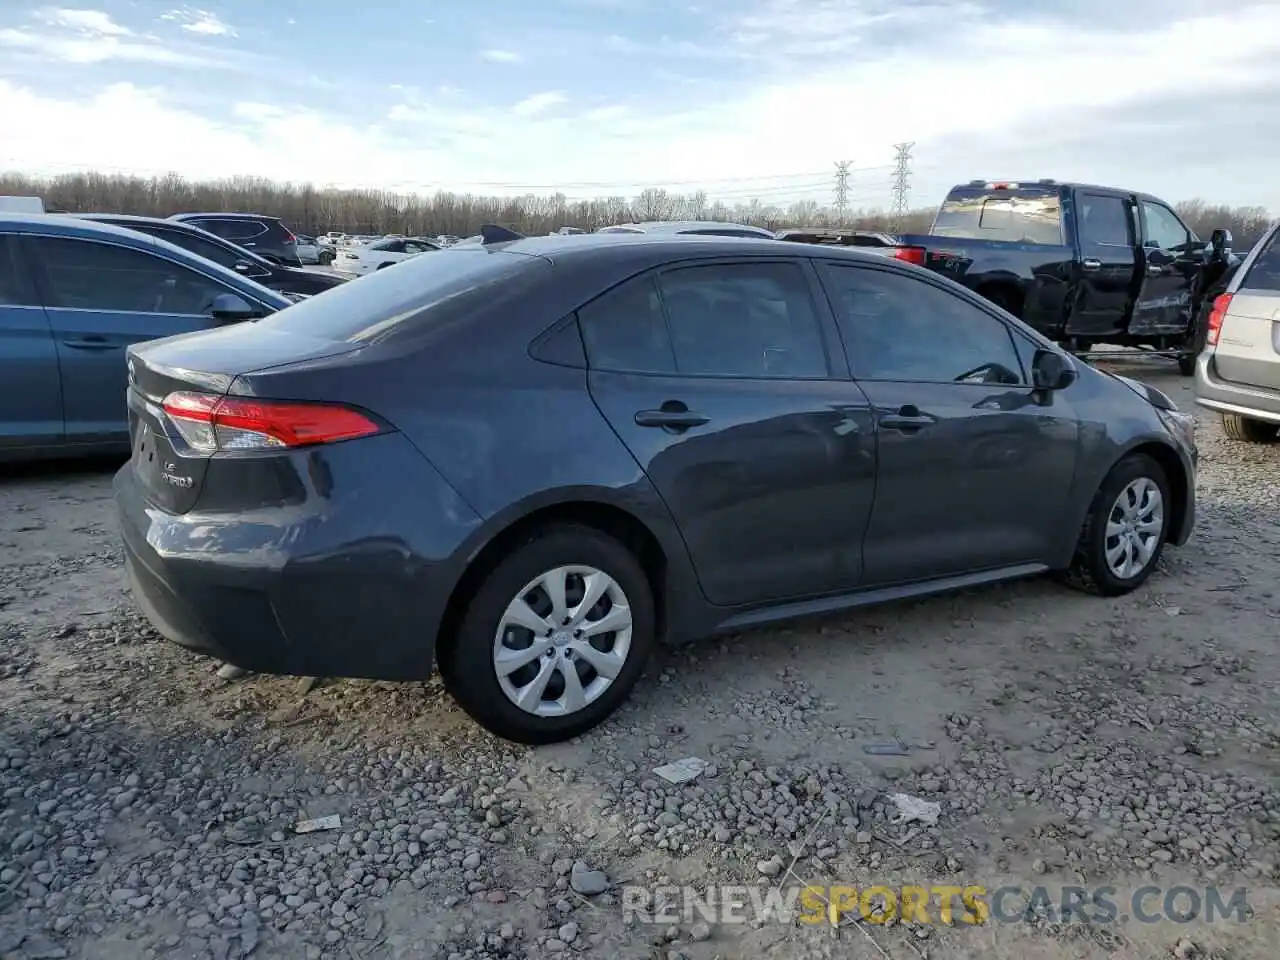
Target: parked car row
(74,293)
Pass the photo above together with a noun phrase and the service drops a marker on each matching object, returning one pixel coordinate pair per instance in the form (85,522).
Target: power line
(901,182)
(842,187)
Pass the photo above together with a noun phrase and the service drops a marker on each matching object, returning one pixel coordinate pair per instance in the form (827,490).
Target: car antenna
(492,233)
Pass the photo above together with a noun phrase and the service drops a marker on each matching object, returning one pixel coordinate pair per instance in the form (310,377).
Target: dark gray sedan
(529,460)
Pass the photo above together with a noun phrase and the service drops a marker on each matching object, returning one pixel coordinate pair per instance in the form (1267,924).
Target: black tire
(467,665)
(1089,570)
(383,266)
(1187,364)
(1247,429)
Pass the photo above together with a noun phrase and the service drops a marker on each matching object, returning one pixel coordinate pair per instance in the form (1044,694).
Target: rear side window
(625,330)
(1104,221)
(390,302)
(15,291)
(1265,272)
(1023,215)
(747,320)
(234,230)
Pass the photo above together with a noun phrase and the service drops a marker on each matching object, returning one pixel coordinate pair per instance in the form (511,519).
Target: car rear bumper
(1223,396)
(350,583)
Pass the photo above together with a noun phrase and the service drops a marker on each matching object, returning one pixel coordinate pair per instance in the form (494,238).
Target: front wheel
(1186,364)
(554,639)
(1125,531)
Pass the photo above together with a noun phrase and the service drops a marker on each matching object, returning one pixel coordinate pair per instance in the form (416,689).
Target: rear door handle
(91,343)
(908,419)
(1154,270)
(670,419)
(1091,263)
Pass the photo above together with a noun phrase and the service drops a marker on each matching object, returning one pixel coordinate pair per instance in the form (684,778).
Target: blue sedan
(73,296)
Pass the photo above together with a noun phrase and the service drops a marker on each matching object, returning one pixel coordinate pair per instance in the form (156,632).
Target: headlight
(1181,425)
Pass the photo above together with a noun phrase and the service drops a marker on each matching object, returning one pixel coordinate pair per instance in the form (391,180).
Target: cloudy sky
(743,98)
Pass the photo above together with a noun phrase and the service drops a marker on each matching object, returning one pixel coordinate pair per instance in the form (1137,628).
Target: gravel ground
(147,806)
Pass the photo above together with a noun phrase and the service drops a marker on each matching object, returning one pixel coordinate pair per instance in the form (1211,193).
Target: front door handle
(908,419)
(1091,263)
(671,416)
(1154,270)
(91,343)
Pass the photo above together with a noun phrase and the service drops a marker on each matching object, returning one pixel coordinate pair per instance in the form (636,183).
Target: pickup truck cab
(1081,264)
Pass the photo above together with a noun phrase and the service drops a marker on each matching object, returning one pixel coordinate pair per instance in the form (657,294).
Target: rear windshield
(389,302)
(1265,272)
(1021,215)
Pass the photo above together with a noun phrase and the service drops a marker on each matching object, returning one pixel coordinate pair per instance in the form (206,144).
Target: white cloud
(501,56)
(87,37)
(200,22)
(1014,94)
(539,103)
(96,22)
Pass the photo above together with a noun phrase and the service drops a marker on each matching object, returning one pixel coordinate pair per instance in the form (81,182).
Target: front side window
(898,327)
(388,246)
(1164,230)
(91,275)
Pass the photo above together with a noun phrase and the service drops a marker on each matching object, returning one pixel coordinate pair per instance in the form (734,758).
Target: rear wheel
(1125,531)
(383,266)
(1247,429)
(554,639)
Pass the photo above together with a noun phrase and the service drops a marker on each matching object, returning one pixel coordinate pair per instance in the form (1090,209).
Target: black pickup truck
(1081,264)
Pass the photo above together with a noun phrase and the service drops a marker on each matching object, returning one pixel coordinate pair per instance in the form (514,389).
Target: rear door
(1167,271)
(30,389)
(1248,349)
(99,298)
(726,382)
(1107,275)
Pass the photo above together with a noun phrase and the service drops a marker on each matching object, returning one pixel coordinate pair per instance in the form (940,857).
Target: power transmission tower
(842,188)
(901,182)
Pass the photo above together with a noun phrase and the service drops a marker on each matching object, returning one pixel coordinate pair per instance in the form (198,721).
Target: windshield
(1017,215)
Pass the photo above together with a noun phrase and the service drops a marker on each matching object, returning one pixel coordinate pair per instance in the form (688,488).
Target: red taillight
(910,255)
(209,424)
(1216,315)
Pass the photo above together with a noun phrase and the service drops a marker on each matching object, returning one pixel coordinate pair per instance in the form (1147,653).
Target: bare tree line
(308,209)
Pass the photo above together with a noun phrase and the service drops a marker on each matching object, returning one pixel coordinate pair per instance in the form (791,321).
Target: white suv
(1238,374)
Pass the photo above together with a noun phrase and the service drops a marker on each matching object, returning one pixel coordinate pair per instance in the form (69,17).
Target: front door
(101,297)
(1106,271)
(1168,272)
(720,379)
(973,471)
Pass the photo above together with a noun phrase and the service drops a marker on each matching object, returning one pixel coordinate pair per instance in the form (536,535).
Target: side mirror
(1220,243)
(1050,371)
(232,308)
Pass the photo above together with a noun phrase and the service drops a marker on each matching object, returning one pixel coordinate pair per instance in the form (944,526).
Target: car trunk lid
(169,469)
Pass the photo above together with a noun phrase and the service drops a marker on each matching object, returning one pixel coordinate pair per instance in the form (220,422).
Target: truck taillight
(210,424)
(910,255)
(1217,314)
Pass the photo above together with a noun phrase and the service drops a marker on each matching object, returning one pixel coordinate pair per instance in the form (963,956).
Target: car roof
(224,216)
(574,247)
(680,226)
(70,225)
